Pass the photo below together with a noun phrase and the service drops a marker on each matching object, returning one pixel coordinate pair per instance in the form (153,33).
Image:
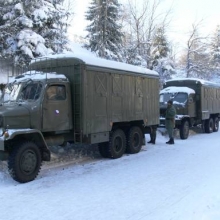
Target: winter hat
(170,101)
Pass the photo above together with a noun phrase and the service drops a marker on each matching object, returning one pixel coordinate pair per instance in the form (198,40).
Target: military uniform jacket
(170,116)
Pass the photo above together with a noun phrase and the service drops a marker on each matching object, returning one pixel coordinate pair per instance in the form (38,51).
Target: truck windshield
(179,97)
(30,91)
(23,91)
(11,92)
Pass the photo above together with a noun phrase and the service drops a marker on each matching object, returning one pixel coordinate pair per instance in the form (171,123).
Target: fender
(10,134)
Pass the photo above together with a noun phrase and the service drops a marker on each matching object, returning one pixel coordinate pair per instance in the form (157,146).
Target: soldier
(170,120)
(153,134)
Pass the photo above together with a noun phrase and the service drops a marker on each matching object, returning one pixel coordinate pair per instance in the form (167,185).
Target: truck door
(191,105)
(56,108)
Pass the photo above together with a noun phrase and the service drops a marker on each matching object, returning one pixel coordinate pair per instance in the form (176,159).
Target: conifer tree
(160,44)
(161,60)
(31,28)
(104,33)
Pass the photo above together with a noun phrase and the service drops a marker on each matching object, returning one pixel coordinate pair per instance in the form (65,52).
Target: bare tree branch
(144,18)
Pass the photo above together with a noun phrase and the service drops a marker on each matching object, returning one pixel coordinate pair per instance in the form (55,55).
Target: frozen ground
(162,182)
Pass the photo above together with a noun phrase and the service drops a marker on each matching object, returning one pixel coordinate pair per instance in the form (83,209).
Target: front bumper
(178,120)
(162,122)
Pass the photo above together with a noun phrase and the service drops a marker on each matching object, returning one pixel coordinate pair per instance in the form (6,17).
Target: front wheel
(184,130)
(24,162)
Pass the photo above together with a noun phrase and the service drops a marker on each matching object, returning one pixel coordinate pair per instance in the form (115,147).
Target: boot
(168,142)
(151,142)
(171,141)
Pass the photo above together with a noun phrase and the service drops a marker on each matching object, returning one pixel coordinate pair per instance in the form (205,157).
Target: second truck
(197,102)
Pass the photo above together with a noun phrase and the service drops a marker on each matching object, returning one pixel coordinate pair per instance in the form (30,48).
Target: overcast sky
(185,13)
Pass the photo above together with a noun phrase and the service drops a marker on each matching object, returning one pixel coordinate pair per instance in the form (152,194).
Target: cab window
(56,92)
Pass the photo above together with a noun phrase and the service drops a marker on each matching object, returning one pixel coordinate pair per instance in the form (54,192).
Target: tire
(24,162)
(184,130)
(104,150)
(216,124)
(117,144)
(134,140)
(209,125)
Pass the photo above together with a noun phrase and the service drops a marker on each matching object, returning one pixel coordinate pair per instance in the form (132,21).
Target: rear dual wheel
(216,124)
(134,140)
(209,125)
(104,150)
(117,144)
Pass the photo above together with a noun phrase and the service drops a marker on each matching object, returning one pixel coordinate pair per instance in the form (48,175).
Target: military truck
(197,102)
(76,99)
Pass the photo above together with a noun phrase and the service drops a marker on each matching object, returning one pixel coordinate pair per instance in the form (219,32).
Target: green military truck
(75,99)
(197,102)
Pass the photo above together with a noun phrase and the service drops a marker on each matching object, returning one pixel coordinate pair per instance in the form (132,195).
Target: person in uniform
(170,121)
(153,134)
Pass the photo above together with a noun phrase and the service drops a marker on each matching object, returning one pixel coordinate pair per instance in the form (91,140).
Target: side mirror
(190,100)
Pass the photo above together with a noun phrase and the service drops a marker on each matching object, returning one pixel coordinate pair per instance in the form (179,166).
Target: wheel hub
(28,162)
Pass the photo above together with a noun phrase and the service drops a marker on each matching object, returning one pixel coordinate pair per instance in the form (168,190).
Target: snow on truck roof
(91,59)
(175,89)
(196,80)
(36,75)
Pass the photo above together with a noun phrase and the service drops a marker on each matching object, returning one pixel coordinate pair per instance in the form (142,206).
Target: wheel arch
(29,135)
(189,120)
(125,126)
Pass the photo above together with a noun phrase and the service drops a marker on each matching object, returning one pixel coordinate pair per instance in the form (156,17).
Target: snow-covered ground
(162,182)
(3,77)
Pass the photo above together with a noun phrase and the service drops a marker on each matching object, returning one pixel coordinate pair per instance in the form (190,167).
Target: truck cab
(41,101)
(35,107)
(184,101)
(201,105)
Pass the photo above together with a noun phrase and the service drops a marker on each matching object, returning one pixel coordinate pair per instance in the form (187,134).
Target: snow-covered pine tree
(131,56)
(104,33)
(131,51)
(160,45)
(160,54)
(31,28)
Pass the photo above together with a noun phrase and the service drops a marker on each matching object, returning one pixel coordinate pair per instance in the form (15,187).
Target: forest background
(141,33)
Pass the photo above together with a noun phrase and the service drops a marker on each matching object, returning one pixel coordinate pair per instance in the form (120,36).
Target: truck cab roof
(38,76)
(175,89)
(190,81)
